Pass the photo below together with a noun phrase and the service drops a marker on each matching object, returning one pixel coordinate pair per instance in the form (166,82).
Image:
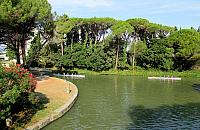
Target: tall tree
(135,51)
(145,30)
(87,31)
(19,18)
(120,31)
(63,27)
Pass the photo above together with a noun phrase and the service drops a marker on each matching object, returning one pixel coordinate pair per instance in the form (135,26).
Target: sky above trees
(181,13)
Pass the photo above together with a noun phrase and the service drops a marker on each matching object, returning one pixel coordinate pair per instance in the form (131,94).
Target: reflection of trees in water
(165,117)
(115,84)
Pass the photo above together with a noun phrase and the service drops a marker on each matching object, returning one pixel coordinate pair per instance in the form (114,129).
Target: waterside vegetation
(87,45)
(136,72)
(106,44)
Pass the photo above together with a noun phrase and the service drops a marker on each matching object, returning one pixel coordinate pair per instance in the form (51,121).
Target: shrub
(17,87)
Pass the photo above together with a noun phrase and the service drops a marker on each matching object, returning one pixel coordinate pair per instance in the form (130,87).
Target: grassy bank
(136,72)
(146,73)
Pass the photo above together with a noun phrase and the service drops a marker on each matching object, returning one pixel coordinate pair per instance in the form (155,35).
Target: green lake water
(129,103)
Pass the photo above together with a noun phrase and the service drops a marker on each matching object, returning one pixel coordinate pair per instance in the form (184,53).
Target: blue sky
(180,13)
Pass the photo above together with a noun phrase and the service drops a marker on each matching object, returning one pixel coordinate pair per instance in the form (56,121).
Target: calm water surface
(128,103)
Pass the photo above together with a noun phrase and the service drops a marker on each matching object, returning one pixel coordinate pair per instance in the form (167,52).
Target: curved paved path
(54,89)
(59,100)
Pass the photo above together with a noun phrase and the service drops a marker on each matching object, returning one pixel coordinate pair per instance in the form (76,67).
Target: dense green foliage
(95,59)
(186,46)
(10,53)
(157,56)
(95,43)
(35,44)
(179,51)
(103,43)
(19,18)
(20,21)
(17,87)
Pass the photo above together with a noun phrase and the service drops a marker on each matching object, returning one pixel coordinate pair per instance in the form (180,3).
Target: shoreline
(60,111)
(144,73)
(136,72)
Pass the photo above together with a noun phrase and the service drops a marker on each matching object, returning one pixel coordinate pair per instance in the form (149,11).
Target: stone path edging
(58,112)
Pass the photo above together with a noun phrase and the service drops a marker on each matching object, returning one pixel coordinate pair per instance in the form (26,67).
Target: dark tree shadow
(44,74)
(29,110)
(165,117)
(65,71)
(41,74)
(42,78)
(43,100)
(196,87)
(40,105)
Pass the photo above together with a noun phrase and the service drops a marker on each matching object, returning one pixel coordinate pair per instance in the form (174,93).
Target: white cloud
(176,7)
(91,3)
(83,3)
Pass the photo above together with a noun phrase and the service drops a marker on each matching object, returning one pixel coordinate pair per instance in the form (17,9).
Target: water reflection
(127,102)
(165,117)
(115,85)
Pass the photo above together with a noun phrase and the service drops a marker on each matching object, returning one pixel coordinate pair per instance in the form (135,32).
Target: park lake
(126,102)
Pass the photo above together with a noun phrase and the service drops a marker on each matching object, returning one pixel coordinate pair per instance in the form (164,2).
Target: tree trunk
(85,41)
(124,53)
(90,43)
(23,53)
(79,35)
(17,54)
(17,57)
(103,39)
(95,42)
(62,49)
(133,57)
(72,42)
(71,45)
(133,61)
(117,57)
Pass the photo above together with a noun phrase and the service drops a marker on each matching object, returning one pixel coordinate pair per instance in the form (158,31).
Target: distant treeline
(105,43)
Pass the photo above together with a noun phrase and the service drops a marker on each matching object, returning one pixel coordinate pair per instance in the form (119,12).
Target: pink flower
(30,75)
(22,69)
(18,65)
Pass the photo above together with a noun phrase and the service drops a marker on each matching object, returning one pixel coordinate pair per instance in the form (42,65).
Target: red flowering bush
(17,87)
(15,75)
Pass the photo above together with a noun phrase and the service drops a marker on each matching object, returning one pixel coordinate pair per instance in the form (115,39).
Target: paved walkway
(56,92)
(54,89)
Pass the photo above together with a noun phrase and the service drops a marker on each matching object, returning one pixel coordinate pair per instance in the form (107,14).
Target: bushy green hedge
(17,87)
(95,59)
